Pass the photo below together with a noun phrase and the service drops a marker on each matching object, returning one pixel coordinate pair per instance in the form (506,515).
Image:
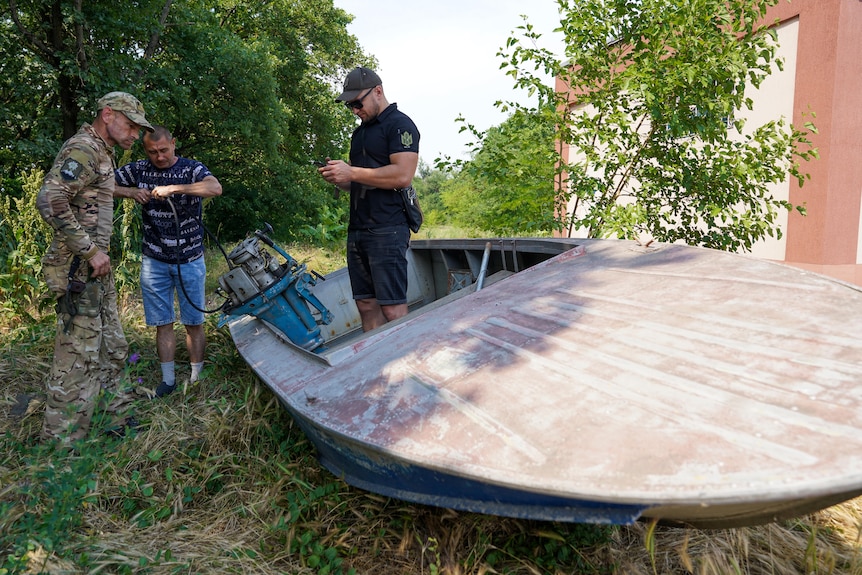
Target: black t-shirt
(372,143)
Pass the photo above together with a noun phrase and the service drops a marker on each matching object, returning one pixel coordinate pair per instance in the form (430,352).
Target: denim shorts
(160,285)
(377,264)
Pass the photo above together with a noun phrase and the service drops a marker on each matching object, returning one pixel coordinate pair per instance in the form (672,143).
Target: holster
(80,299)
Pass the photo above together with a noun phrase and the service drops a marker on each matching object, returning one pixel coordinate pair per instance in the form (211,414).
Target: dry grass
(824,542)
(219,480)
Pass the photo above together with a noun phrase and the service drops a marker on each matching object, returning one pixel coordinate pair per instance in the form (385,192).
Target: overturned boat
(576,380)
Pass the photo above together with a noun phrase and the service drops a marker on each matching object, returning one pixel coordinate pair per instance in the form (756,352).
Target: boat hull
(606,384)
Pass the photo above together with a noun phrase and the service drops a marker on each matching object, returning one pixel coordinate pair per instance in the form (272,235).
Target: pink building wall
(829,83)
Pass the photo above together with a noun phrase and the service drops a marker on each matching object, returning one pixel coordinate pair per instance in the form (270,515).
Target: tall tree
(55,57)
(507,186)
(74,49)
(257,104)
(247,88)
(651,119)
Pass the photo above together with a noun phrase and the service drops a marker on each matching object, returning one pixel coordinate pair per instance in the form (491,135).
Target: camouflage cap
(130,106)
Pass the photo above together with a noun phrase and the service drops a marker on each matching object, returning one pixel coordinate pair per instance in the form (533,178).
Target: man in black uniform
(384,153)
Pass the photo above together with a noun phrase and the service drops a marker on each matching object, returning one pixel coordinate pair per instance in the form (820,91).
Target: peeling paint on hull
(604,384)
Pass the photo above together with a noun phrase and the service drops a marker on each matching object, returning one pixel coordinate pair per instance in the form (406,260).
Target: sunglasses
(357,103)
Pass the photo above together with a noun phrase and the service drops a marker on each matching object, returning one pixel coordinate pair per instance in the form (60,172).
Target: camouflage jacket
(77,201)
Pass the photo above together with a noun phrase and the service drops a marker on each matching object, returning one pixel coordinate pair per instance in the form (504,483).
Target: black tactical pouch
(76,286)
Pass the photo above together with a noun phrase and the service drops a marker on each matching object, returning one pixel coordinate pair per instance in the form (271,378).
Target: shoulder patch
(406,139)
(71,169)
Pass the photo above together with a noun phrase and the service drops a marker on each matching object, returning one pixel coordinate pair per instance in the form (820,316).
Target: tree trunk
(66,83)
(68,105)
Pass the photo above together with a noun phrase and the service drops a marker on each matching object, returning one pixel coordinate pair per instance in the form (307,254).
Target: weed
(314,554)
(430,547)
(51,492)
(24,238)
(331,229)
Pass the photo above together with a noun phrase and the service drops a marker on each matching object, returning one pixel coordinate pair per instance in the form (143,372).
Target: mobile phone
(318,163)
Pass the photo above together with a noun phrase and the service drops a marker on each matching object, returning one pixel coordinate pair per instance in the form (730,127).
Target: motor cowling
(252,271)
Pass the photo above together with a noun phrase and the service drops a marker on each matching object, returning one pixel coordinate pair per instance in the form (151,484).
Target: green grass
(219,479)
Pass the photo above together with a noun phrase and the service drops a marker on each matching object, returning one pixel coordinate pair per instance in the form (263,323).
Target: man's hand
(100,264)
(162,192)
(140,195)
(337,172)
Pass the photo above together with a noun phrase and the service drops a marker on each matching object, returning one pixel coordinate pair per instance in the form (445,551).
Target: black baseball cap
(358,80)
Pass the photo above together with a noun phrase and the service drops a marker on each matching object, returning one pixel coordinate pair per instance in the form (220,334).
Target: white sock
(196,371)
(168,374)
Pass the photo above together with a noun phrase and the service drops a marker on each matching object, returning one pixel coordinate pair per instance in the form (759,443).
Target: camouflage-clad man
(76,199)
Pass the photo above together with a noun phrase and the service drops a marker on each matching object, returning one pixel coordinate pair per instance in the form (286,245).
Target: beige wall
(774,99)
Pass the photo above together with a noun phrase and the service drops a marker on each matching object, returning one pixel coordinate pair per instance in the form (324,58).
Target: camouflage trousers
(90,351)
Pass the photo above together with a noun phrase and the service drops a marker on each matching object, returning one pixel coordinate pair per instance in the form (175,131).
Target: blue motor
(276,293)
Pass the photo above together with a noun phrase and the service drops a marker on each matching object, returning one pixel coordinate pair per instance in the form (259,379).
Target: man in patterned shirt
(76,200)
(173,253)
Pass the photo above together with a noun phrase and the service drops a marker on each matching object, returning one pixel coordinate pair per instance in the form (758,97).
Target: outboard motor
(276,293)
